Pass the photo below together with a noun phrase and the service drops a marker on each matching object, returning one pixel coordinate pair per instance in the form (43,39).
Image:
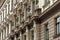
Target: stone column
(15,37)
(7,9)
(27,33)
(11,5)
(1,35)
(9,28)
(34,25)
(36,31)
(21,36)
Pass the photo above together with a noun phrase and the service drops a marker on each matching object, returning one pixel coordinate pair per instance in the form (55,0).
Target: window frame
(46,29)
(57,23)
(32,35)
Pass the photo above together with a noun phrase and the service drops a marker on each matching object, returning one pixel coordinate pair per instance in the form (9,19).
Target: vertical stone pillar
(21,36)
(11,5)
(1,35)
(15,37)
(7,9)
(36,31)
(34,25)
(27,33)
(9,28)
(24,14)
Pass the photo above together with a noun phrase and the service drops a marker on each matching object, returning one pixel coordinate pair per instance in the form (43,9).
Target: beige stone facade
(30,20)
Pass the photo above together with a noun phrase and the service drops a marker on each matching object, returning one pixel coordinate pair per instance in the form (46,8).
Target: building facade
(30,20)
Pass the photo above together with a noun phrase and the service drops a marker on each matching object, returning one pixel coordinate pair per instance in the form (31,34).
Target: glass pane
(32,35)
(33,6)
(46,1)
(57,29)
(46,32)
(58,19)
(24,37)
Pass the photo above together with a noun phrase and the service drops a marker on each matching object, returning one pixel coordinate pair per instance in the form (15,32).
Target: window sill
(55,36)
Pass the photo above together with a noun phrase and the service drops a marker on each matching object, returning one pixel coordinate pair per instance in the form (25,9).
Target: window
(17,19)
(14,2)
(8,8)
(24,37)
(46,32)
(32,35)
(12,38)
(47,1)
(36,1)
(7,29)
(58,25)
(26,9)
(0,18)
(21,15)
(33,6)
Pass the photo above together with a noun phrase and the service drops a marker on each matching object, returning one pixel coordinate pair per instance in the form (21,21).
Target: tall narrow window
(32,35)
(46,32)
(26,9)
(37,1)
(8,8)
(58,25)
(24,37)
(20,15)
(33,6)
